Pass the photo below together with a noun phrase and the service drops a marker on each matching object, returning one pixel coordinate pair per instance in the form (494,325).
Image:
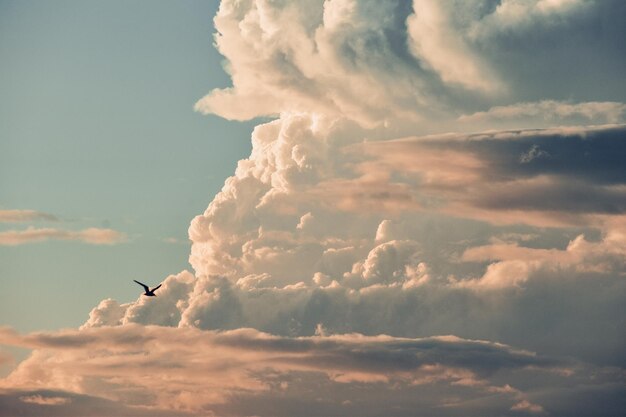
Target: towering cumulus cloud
(433,223)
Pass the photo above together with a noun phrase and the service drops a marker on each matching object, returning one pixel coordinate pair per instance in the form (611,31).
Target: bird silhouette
(149,292)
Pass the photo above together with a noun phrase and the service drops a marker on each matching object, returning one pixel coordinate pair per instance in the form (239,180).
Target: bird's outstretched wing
(156,288)
(145,287)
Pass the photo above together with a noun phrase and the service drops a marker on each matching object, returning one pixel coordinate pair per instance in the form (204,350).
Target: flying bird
(149,292)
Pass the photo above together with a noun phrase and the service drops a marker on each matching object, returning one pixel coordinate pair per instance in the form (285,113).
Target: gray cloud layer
(445,375)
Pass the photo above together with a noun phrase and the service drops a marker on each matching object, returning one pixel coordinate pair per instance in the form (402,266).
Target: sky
(98,131)
(354,208)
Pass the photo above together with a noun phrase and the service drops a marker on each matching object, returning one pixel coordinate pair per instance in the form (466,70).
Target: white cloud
(41,400)
(434,40)
(165,309)
(525,15)
(406,68)
(342,58)
(107,313)
(387,263)
(547,113)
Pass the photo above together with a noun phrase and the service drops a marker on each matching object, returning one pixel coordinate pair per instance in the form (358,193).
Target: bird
(149,292)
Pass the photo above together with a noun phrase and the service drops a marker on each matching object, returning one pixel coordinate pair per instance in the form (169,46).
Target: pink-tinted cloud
(516,264)
(46,402)
(505,177)
(92,235)
(205,371)
(527,406)
(21,216)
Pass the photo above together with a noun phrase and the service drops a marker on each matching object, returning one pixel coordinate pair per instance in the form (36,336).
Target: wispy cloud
(93,236)
(42,400)
(175,240)
(23,216)
(546,113)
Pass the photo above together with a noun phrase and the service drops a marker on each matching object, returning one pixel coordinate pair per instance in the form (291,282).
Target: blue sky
(97,128)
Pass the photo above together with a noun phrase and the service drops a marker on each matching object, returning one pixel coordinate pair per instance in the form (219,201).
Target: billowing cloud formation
(316,237)
(344,374)
(413,237)
(331,263)
(92,235)
(381,62)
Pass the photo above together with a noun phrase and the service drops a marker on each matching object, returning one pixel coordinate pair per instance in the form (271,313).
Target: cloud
(92,235)
(300,173)
(606,255)
(407,288)
(21,216)
(418,67)
(316,228)
(506,176)
(5,358)
(418,303)
(324,57)
(46,402)
(434,40)
(174,241)
(165,309)
(522,16)
(517,264)
(238,369)
(360,230)
(107,312)
(39,399)
(524,405)
(546,113)
(533,153)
